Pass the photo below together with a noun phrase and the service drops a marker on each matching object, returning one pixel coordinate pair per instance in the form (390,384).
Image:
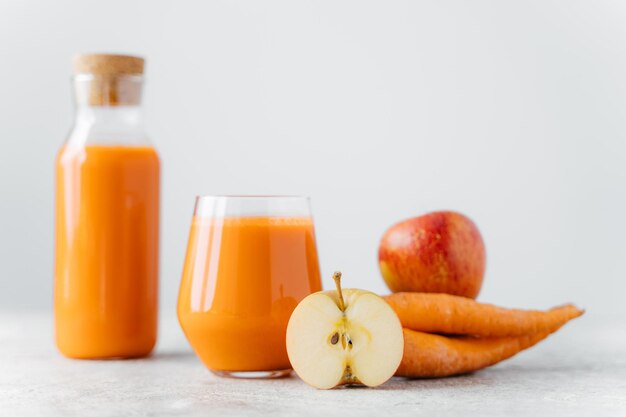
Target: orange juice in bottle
(107,217)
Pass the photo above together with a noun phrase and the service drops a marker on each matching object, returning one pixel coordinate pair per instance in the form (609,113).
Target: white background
(513,113)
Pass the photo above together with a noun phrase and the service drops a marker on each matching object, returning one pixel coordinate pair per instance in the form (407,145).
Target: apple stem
(337,278)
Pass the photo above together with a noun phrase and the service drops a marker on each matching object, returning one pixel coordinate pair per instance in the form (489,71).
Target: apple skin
(441,252)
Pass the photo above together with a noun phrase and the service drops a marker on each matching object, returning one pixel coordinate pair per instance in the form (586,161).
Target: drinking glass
(250,260)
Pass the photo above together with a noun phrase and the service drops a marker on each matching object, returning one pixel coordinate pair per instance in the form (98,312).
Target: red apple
(437,252)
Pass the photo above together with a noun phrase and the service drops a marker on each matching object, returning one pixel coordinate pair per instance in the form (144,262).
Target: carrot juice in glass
(250,260)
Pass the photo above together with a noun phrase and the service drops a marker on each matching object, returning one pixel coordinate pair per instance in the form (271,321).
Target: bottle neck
(115,117)
(108,111)
(107,90)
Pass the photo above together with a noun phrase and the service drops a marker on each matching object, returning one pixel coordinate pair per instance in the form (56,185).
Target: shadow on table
(485,377)
(465,380)
(171,355)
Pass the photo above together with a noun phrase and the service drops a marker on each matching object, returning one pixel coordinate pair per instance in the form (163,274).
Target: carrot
(430,355)
(450,314)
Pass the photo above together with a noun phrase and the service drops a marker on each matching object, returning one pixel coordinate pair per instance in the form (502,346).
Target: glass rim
(252,206)
(251,197)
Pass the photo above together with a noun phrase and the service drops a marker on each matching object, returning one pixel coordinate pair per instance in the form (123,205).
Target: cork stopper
(110,65)
(111,80)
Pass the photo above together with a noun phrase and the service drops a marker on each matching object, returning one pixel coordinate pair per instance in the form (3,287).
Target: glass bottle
(107,217)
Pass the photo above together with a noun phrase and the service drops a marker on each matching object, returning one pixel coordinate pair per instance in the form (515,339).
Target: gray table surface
(580,371)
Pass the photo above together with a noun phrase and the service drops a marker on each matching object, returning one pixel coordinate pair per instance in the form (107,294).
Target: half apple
(340,337)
